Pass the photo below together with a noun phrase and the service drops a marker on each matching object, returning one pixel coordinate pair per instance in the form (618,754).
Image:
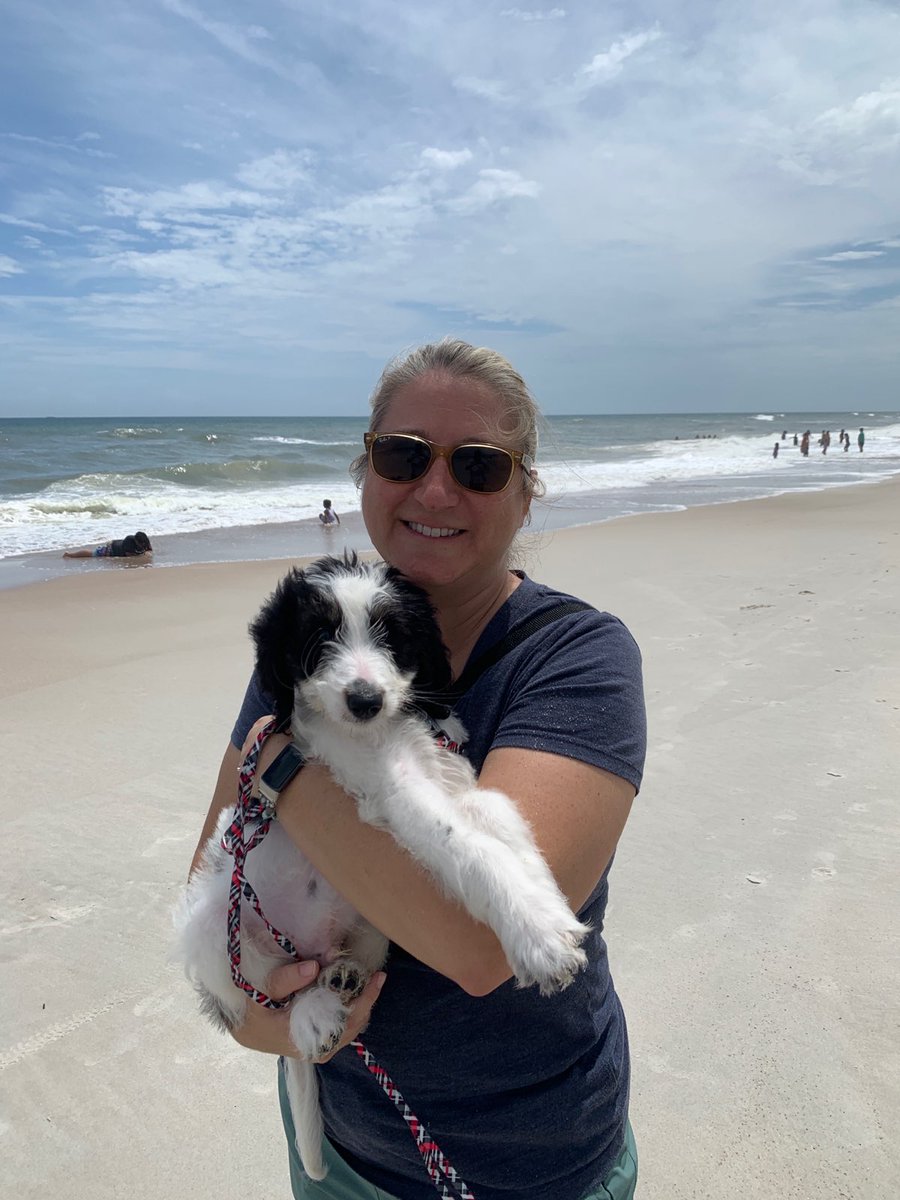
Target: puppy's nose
(364,700)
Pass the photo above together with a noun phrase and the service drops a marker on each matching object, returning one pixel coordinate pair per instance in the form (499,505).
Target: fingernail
(308,970)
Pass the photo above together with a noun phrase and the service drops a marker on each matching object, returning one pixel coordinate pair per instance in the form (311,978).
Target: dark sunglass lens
(482,468)
(400,459)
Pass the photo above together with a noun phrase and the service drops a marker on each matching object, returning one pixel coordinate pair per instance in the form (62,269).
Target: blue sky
(248,207)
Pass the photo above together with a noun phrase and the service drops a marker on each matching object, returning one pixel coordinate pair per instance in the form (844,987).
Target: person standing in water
(328,516)
(861,440)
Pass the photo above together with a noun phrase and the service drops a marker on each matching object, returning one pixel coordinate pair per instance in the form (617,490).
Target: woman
(526,1095)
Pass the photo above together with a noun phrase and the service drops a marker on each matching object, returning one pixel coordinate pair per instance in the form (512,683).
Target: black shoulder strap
(516,635)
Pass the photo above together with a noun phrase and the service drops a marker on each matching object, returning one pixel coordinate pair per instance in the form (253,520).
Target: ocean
(210,489)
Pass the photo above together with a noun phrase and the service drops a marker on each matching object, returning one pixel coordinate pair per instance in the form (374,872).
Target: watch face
(280,773)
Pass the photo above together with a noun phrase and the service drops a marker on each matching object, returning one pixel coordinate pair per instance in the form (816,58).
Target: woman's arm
(576,812)
(224,796)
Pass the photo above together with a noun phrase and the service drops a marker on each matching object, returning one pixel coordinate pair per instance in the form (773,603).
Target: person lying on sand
(135,545)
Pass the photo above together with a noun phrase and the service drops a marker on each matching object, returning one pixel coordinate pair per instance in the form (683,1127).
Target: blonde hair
(459,359)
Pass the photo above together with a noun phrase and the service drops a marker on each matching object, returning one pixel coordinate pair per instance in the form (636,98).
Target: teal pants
(343,1184)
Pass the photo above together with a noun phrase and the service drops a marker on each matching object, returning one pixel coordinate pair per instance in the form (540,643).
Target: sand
(755,896)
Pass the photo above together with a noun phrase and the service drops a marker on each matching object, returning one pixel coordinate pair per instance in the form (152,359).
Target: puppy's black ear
(275,632)
(417,644)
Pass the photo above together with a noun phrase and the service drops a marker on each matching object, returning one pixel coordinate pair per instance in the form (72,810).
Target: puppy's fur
(351,652)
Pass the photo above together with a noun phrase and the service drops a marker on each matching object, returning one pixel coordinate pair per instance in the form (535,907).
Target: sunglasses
(477,467)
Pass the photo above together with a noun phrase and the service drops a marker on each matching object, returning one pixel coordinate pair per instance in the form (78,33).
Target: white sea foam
(66,516)
(298,441)
(707,458)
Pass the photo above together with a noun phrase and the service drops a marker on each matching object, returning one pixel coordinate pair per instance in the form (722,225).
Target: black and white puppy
(351,652)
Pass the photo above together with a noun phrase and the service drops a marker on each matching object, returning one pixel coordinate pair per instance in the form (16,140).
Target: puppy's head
(351,642)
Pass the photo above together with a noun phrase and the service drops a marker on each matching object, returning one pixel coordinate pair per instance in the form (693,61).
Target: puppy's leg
(508,887)
(533,944)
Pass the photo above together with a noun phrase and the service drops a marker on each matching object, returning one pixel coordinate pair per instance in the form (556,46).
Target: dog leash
(233,842)
(436,1163)
(249,809)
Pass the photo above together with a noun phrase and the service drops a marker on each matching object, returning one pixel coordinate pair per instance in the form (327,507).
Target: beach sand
(754,901)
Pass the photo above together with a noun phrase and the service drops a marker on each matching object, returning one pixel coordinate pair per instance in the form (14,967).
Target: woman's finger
(293,977)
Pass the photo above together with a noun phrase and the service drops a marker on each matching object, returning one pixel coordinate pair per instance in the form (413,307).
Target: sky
(250,207)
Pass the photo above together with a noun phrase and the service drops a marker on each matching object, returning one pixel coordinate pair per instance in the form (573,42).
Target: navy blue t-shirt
(527,1095)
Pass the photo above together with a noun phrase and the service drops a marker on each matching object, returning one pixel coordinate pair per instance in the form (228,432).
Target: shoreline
(751,900)
(295,541)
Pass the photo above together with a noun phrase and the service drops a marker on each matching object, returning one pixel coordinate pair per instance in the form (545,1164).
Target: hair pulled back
(460,360)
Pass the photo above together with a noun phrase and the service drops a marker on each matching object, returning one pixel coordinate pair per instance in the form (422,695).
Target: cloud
(607,65)
(485,89)
(553,14)
(493,186)
(850,255)
(281,171)
(8,266)
(57,144)
(869,114)
(446,160)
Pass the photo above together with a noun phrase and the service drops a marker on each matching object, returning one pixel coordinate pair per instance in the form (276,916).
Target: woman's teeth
(427,531)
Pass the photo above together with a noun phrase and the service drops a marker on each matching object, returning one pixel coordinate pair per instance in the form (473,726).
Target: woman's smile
(430,531)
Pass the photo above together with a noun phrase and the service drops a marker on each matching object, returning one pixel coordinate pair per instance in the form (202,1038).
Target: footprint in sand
(686,932)
(825,870)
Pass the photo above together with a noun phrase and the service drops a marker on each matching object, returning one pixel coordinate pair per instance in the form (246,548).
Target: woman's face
(399,516)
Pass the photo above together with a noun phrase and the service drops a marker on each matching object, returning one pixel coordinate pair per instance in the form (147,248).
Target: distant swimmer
(136,545)
(795,439)
(804,445)
(328,516)
(861,440)
(775,451)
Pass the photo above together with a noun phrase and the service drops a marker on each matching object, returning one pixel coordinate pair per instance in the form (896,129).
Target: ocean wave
(91,508)
(239,472)
(298,441)
(764,417)
(132,431)
(194,496)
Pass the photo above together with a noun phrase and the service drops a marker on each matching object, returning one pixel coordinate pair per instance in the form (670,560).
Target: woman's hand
(268,1030)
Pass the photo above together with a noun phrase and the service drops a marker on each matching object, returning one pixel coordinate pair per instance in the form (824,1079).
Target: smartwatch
(277,775)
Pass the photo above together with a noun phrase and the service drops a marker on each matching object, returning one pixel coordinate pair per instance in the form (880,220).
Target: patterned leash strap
(235,844)
(436,1163)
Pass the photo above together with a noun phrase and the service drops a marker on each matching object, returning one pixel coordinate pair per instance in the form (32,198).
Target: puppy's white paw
(318,1017)
(550,956)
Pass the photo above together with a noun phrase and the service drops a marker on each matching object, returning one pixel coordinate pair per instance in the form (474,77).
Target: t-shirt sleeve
(256,704)
(580,694)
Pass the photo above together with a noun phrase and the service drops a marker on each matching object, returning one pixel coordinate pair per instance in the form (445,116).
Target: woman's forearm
(224,796)
(386,885)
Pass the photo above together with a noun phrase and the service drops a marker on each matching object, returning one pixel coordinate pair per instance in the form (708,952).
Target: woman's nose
(437,488)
